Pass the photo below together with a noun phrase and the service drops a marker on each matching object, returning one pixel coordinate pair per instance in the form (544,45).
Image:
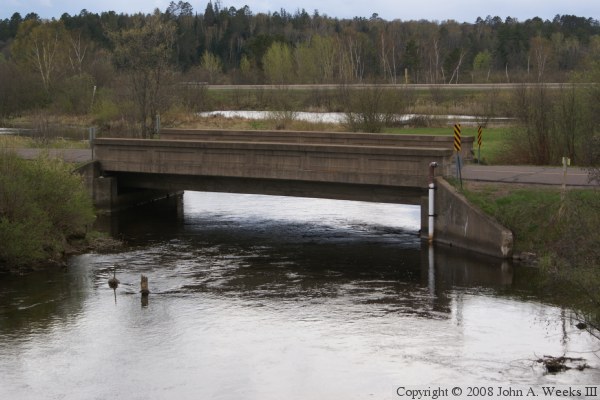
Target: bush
(42,205)
(74,95)
(552,124)
(370,109)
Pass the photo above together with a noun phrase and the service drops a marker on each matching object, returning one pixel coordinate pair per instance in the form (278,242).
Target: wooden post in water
(144,286)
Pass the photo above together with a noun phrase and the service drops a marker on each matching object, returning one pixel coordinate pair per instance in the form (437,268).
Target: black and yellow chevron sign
(457,141)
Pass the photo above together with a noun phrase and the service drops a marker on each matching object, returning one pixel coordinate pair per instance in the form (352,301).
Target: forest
(99,62)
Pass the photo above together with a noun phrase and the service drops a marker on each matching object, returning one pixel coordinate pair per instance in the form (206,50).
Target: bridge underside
(327,190)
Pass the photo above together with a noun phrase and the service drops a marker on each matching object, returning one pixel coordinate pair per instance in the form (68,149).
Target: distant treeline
(374,48)
(50,59)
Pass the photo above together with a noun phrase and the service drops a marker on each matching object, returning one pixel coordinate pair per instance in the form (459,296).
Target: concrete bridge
(350,166)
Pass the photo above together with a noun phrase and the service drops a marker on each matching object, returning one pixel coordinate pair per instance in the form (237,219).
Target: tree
(77,50)
(315,60)
(540,51)
(41,47)
(483,63)
(278,64)
(412,59)
(212,65)
(144,52)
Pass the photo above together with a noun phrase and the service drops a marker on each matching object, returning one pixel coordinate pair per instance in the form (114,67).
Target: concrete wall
(459,224)
(346,164)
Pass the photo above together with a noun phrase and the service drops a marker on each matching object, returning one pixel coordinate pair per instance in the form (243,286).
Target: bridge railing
(316,137)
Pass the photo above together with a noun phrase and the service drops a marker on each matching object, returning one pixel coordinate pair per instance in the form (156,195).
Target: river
(258,297)
(341,118)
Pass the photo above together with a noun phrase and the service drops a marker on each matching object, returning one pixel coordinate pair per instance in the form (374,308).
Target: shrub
(42,205)
(74,95)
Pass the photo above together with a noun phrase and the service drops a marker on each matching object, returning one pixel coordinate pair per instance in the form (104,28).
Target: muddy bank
(94,244)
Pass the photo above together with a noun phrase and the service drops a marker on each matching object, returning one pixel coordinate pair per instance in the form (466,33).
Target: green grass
(22,142)
(494,140)
(531,214)
(561,229)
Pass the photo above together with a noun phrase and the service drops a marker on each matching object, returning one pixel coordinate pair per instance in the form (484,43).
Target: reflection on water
(268,298)
(341,118)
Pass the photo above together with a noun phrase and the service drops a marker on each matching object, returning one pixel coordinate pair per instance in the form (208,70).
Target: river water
(341,118)
(258,297)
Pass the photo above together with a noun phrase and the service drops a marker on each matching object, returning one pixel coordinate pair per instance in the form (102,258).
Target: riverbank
(44,210)
(554,229)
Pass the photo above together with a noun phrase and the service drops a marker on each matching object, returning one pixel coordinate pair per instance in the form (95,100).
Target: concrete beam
(275,187)
(362,165)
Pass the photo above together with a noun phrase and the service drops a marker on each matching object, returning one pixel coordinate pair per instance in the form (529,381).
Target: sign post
(457,147)
(566,161)
(479,141)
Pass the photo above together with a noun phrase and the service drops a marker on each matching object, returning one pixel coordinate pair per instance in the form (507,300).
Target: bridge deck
(370,173)
(372,165)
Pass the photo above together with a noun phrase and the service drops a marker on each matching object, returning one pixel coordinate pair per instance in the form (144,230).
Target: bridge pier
(109,197)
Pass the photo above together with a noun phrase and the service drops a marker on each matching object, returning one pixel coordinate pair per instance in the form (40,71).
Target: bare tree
(78,49)
(144,52)
(41,47)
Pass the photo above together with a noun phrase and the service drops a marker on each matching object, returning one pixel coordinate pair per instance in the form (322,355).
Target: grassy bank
(43,208)
(560,230)
(494,140)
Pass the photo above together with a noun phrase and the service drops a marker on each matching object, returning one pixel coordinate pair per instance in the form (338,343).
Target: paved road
(484,173)
(411,86)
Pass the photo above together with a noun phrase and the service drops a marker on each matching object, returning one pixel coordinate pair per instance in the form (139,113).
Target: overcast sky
(438,10)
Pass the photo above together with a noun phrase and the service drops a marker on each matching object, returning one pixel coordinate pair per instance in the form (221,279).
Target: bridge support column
(105,193)
(107,196)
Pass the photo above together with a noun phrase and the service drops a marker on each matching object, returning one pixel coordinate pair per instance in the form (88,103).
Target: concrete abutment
(109,197)
(460,224)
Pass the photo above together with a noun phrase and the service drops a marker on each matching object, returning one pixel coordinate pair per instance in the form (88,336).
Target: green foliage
(562,229)
(41,47)
(212,65)
(47,59)
(105,109)
(530,214)
(19,90)
(278,64)
(144,51)
(482,61)
(74,96)
(42,204)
